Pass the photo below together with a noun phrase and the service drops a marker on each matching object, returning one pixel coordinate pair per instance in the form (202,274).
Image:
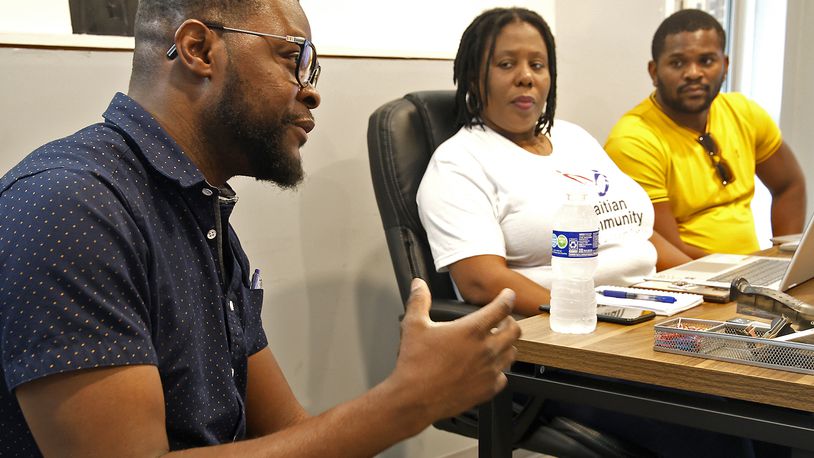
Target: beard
(678,104)
(258,138)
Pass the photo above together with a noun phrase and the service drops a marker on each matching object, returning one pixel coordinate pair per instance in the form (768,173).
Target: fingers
(505,359)
(500,383)
(418,304)
(492,314)
(502,342)
(506,333)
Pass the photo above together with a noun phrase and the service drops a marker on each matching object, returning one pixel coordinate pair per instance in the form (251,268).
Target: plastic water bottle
(574,246)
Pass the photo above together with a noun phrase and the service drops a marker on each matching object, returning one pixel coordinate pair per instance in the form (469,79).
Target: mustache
(684,87)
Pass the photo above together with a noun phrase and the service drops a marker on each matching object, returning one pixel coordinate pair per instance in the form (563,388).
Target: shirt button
(211,234)
(207,192)
(231,306)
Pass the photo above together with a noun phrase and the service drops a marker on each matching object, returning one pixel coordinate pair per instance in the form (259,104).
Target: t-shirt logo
(599,180)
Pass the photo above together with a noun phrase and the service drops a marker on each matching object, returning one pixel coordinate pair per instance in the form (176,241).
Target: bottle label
(565,244)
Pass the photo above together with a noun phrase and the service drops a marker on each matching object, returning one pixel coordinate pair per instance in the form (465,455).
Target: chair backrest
(401,137)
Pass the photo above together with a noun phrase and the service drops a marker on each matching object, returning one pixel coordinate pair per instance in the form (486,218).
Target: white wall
(423,28)
(49,94)
(797,114)
(48,23)
(602,53)
(420,28)
(35,16)
(332,303)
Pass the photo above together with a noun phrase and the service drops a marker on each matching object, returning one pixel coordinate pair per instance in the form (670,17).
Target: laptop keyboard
(761,272)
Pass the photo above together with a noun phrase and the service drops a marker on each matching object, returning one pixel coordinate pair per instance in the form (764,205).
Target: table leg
(495,426)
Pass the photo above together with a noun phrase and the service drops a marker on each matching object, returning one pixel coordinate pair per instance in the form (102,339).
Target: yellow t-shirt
(669,163)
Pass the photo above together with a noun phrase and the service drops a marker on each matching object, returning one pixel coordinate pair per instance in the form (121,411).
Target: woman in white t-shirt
(488,197)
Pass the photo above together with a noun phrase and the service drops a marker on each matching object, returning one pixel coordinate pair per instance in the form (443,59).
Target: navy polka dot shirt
(114,251)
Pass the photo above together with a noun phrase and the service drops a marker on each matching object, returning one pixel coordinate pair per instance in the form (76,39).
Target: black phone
(617,314)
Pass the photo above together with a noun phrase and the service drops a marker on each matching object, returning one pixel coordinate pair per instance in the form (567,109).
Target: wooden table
(765,404)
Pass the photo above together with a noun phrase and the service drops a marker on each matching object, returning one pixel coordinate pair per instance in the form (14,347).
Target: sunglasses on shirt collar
(722,168)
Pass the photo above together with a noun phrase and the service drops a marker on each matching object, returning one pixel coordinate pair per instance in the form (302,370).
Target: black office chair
(401,137)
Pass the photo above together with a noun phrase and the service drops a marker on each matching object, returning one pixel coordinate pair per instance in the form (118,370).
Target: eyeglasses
(308,69)
(718,162)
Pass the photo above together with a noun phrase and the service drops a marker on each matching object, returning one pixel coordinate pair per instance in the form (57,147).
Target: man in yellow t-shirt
(696,152)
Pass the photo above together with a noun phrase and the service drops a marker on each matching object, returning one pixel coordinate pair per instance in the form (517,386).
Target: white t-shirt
(482,194)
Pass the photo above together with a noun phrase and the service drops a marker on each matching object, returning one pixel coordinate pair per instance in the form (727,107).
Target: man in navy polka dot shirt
(130,325)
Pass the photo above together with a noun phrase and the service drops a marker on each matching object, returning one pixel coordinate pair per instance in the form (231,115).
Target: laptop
(718,270)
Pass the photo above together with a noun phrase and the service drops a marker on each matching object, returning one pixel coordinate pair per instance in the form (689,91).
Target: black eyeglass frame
(722,168)
(311,75)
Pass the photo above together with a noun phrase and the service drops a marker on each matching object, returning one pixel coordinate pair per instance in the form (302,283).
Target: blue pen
(639,296)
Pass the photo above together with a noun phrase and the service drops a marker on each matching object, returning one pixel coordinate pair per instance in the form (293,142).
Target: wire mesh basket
(724,341)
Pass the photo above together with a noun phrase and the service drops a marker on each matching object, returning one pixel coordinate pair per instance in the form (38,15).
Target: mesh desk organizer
(726,341)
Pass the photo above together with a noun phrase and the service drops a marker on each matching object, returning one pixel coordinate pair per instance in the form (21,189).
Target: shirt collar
(154,144)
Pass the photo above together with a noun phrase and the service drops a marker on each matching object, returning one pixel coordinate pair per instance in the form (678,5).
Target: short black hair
(688,20)
(479,37)
(157,20)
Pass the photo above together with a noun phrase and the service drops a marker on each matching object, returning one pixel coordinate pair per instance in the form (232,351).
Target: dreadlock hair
(157,20)
(685,21)
(475,53)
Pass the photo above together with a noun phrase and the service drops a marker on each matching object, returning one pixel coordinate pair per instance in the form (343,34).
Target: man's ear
(651,69)
(194,43)
(726,66)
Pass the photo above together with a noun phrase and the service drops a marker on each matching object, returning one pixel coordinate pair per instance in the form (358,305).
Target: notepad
(683,301)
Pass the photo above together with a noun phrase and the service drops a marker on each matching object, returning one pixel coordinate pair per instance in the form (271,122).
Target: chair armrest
(450,309)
